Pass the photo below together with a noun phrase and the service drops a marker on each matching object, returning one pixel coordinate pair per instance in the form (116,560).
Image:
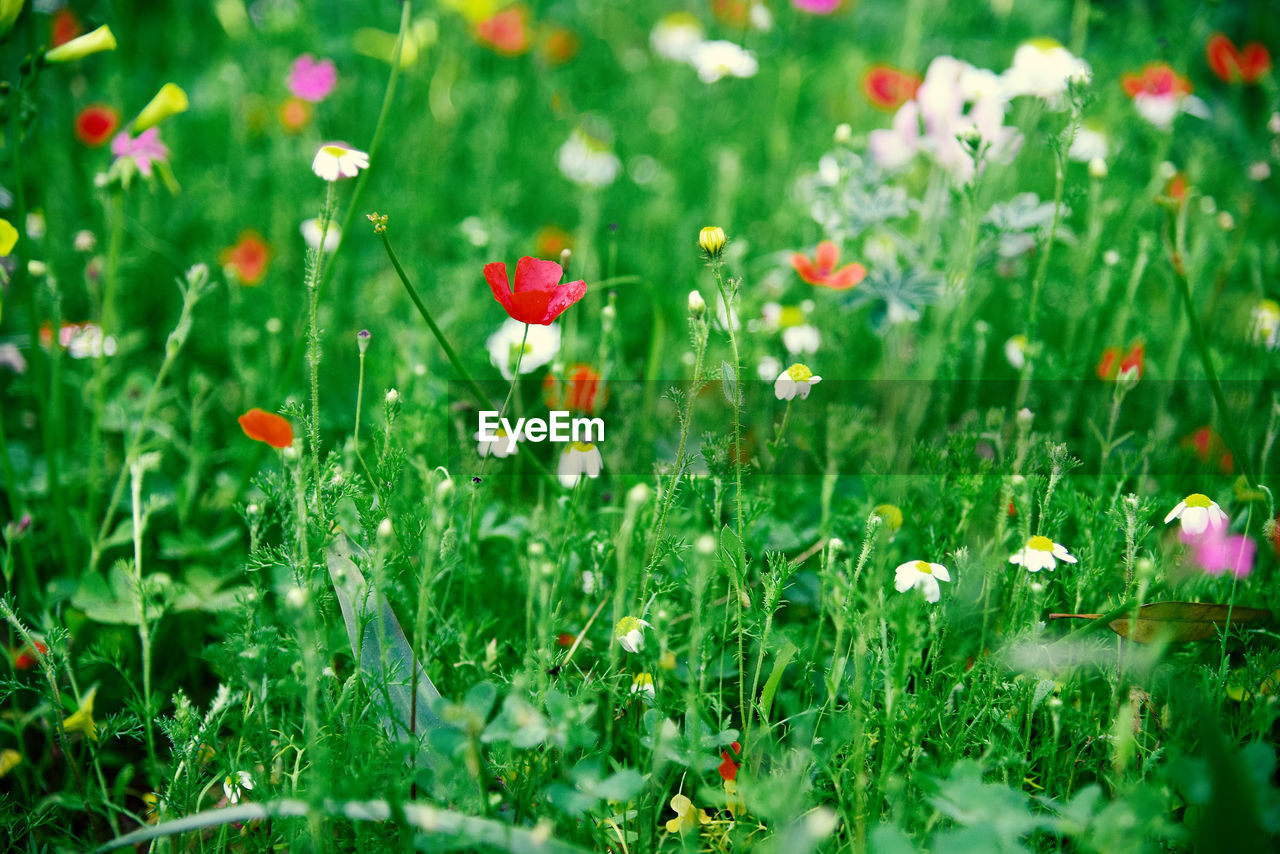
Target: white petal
(931,589)
(1195,520)
(1061,553)
(905,578)
(940,572)
(1175,512)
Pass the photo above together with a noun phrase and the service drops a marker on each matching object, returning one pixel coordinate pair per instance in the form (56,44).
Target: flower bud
(81,46)
(1226,221)
(1111,257)
(1024,417)
(393,397)
(1167,170)
(362,339)
(844,133)
(712,240)
(697,305)
(566,255)
(1098,168)
(296,597)
(385,530)
(169,101)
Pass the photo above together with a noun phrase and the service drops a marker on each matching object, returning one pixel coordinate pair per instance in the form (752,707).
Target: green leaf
(729,383)
(383,652)
(1185,621)
(775,677)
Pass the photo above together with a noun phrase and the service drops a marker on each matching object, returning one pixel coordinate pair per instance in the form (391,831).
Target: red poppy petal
(562,298)
(847,277)
(534,274)
(266,427)
(530,307)
(1222,57)
(496,275)
(1133,84)
(827,256)
(1106,365)
(805,268)
(1255,61)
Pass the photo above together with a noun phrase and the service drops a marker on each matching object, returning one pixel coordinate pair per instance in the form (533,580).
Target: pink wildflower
(312,79)
(143,149)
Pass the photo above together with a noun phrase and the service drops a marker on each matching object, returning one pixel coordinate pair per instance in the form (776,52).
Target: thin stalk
(481,397)
(313,338)
(144,627)
(1202,345)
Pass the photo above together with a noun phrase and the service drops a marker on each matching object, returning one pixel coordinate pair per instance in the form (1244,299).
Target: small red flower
(581,390)
(24,660)
(560,45)
(294,114)
(265,427)
(822,271)
(507,32)
(551,241)
(96,123)
(888,88)
(64,27)
(729,768)
(1235,65)
(249,257)
(1156,78)
(731,13)
(1112,364)
(566,639)
(539,297)
(1208,446)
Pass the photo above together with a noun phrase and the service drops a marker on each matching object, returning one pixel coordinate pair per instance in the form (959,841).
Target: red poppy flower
(731,13)
(64,27)
(888,88)
(729,768)
(249,257)
(539,297)
(1112,365)
(294,114)
(551,241)
(265,427)
(1234,65)
(580,390)
(24,660)
(506,32)
(96,123)
(566,639)
(1208,446)
(1156,78)
(822,271)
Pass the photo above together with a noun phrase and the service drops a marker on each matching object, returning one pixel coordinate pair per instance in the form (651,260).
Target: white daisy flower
(1042,68)
(1197,513)
(630,633)
(768,368)
(1015,351)
(578,459)
(310,229)
(334,161)
(1041,553)
(589,161)
(676,35)
(236,784)
(540,347)
(797,379)
(922,575)
(1091,143)
(643,684)
(500,444)
(716,59)
(801,339)
(1264,324)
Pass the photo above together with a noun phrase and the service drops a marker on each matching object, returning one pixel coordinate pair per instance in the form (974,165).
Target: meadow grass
(937,367)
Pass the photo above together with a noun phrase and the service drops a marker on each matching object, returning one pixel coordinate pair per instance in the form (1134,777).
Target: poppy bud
(80,47)
(169,101)
(697,305)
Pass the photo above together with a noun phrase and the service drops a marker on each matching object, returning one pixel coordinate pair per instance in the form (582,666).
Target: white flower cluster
(680,37)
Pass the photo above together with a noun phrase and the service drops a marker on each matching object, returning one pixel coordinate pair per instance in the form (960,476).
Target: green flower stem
(1202,345)
(481,397)
(313,337)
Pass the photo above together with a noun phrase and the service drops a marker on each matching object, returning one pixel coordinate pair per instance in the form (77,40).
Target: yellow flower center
(890,514)
(923,567)
(625,626)
(643,680)
(1197,499)
(1044,43)
(585,448)
(333,150)
(791,315)
(800,373)
(1040,544)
